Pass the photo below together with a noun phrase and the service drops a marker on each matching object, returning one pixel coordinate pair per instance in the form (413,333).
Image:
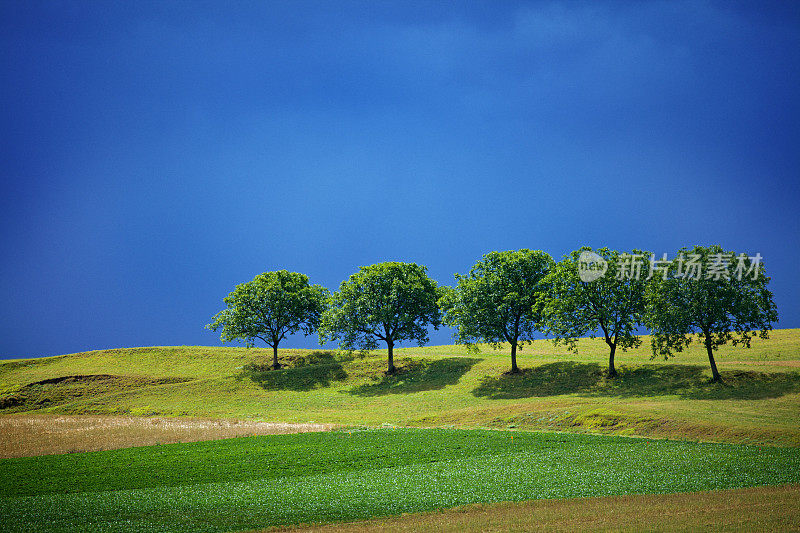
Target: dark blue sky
(153,155)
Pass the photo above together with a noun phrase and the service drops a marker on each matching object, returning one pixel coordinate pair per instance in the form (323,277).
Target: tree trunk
(710,350)
(275,364)
(514,368)
(390,349)
(612,372)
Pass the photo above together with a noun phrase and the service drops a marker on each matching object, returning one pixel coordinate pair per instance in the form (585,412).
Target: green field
(344,475)
(438,386)
(410,443)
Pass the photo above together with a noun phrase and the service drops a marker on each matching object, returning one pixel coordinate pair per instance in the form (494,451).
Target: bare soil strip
(30,435)
(753,509)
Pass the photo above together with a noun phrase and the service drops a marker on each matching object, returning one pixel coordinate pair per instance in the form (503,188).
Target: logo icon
(591,266)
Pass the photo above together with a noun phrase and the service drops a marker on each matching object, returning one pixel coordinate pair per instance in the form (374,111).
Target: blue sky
(156,154)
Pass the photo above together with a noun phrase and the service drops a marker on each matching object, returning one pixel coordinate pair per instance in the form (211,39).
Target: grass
(349,475)
(26,435)
(684,381)
(783,345)
(751,509)
(64,389)
(437,386)
(358,474)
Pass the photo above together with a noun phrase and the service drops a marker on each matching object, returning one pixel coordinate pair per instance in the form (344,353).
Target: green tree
(612,305)
(713,294)
(499,300)
(272,306)
(388,302)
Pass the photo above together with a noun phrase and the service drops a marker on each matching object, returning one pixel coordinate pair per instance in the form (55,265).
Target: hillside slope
(438,386)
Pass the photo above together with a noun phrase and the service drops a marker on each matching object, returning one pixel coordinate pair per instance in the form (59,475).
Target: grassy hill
(438,386)
(358,473)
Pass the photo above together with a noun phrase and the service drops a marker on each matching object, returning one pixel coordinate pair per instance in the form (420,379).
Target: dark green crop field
(345,475)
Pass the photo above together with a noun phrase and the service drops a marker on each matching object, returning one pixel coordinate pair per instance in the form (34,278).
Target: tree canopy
(611,304)
(388,302)
(728,302)
(270,307)
(499,300)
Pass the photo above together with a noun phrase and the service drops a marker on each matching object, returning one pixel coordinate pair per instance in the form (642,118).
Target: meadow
(43,434)
(121,439)
(437,386)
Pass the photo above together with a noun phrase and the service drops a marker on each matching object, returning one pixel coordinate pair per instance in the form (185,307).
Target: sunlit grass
(782,345)
(437,386)
(25,435)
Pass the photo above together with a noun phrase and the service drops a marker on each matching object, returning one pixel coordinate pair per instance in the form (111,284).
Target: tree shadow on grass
(550,379)
(685,381)
(416,375)
(317,369)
